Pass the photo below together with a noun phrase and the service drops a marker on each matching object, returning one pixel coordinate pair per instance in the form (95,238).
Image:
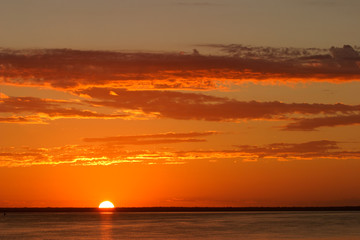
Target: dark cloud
(299,60)
(346,52)
(162,138)
(346,57)
(177,105)
(332,121)
(65,68)
(269,53)
(50,107)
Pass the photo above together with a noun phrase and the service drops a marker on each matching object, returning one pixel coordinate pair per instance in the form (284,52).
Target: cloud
(82,155)
(24,119)
(194,106)
(347,52)
(45,109)
(150,104)
(346,57)
(71,69)
(332,121)
(86,155)
(305,151)
(279,151)
(325,62)
(161,138)
(276,54)
(283,150)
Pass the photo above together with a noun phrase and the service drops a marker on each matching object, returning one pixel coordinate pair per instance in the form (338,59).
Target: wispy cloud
(311,149)
(279,151)
(86,155)
(303,151)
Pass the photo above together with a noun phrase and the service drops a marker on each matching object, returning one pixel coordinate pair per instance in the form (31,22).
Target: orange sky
(79,127)
(192,119)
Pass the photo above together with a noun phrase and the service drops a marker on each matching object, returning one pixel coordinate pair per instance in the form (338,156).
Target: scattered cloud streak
(87,155)
(312,150)
(162,138)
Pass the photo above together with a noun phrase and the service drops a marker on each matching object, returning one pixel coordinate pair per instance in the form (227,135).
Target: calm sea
(201,225)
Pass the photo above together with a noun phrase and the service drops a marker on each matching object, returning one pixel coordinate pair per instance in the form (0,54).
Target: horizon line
(176,209)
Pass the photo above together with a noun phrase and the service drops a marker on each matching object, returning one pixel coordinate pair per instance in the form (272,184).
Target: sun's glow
(106,204)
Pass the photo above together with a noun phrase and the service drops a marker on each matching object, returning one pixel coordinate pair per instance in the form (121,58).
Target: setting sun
(106,204)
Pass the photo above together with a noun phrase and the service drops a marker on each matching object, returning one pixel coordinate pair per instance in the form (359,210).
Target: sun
(106,204)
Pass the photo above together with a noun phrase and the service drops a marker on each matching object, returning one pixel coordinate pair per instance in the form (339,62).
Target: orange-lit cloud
(84,155)
(110,155)
(25,119)
(69,69)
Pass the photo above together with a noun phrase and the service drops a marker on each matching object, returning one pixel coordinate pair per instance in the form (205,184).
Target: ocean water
(184,225)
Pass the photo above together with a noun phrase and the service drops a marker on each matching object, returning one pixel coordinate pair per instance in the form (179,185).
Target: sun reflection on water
(106,225)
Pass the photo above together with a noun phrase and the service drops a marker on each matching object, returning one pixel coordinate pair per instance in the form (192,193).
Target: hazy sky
(175,24)
(263,112)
